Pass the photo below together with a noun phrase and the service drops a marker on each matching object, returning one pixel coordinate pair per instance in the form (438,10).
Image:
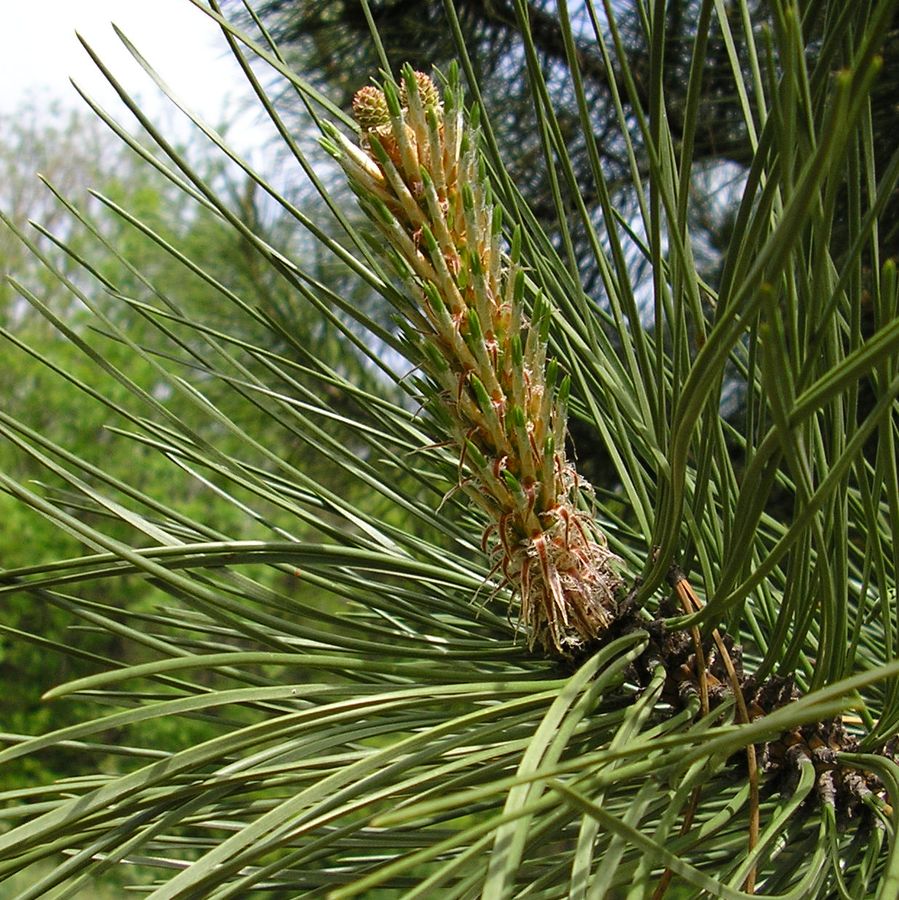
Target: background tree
(331,44)
(75,153)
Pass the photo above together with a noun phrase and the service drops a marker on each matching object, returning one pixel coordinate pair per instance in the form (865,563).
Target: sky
(39,53)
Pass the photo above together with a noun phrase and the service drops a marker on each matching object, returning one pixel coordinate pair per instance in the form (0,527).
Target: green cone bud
(370,108)
(428,94)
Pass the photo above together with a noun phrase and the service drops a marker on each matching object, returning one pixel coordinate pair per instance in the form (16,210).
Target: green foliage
(260,515)
(125,262)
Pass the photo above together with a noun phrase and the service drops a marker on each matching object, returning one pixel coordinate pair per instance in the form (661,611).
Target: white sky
(39,53)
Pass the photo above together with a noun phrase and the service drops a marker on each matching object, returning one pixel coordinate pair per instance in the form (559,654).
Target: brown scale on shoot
(418,175)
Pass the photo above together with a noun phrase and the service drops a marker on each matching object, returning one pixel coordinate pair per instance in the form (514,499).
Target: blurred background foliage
(329,42)
(74,152)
